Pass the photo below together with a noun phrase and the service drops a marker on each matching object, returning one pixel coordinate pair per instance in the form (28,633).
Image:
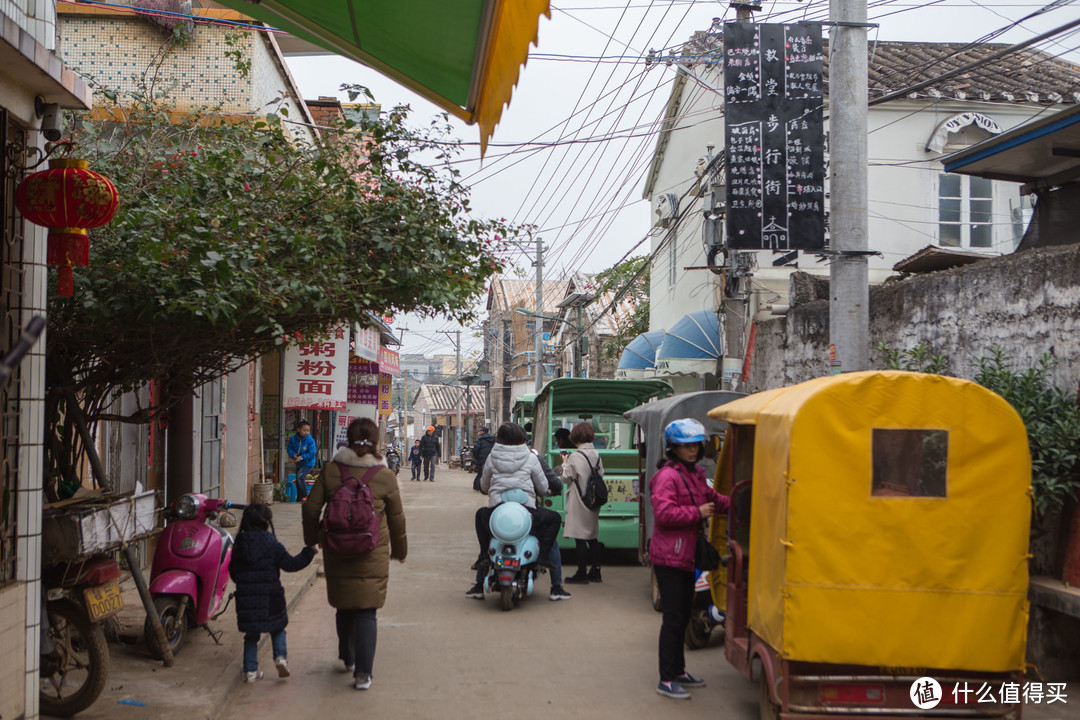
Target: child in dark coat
(257,560)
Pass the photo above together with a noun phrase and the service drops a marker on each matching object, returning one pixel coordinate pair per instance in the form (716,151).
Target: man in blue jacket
(302,450)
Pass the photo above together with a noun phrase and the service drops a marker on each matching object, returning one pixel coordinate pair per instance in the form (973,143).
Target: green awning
(463,55)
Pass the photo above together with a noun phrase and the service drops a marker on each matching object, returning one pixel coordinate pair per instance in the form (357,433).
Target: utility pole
(734,307)
(849,289)
(457,349)
(405,381)
(538,323)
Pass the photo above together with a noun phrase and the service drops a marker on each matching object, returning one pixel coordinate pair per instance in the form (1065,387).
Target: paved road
(441,655)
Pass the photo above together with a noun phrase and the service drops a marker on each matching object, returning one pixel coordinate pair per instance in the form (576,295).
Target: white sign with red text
(317,373)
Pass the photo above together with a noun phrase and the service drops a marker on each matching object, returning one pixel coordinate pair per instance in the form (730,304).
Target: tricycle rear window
(909,462)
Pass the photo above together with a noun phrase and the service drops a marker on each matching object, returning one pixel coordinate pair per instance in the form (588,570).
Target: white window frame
(965,223)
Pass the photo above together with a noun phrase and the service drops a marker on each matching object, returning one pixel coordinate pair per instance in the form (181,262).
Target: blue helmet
(684,432)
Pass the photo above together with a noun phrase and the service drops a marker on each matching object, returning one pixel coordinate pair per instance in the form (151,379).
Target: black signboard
(775,140)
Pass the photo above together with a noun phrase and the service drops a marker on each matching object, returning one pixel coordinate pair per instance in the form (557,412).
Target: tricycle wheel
(175,626)
(75,672)
(507,597)
(656,604)
(767,709)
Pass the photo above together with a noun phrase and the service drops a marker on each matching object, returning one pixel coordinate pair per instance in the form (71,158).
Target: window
(965,211)
(909,463)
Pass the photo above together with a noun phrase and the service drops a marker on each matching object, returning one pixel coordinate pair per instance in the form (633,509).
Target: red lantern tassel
(65,282)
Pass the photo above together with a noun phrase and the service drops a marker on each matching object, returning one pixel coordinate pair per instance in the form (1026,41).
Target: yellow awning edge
(514,27)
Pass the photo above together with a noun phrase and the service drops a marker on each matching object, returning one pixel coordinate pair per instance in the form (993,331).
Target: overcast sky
(587,79)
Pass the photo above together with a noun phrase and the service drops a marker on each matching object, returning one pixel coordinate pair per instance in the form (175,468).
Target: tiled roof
(1025,76)
(446,397)
(506,294)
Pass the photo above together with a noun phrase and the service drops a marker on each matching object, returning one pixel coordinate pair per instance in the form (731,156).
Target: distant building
(438,405)
(509,340)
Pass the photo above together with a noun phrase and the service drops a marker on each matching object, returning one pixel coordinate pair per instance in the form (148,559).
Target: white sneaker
(363,682)
(282,667)
(250,677)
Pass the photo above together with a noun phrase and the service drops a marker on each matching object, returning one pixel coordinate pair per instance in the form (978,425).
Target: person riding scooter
(511,465)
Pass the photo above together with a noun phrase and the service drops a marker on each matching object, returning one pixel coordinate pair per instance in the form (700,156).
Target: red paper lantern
(69,199)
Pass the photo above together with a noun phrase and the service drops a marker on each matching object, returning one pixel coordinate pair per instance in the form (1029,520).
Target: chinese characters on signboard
(385,386)
(363,382)
(774,136)
(341,427)
(317,373)
(389,362)
(367,343)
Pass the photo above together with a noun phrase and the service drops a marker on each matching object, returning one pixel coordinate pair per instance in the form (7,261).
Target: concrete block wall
(1026,303)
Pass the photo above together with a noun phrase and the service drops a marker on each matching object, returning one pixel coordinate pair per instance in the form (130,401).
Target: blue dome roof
(695,337)
(640,353)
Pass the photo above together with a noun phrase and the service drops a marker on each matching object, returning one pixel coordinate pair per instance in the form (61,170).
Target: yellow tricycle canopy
(889,522)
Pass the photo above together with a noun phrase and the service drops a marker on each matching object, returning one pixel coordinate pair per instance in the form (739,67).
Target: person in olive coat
(356,583)
(257,560)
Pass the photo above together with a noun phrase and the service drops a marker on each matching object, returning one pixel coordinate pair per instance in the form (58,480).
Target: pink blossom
(247,186)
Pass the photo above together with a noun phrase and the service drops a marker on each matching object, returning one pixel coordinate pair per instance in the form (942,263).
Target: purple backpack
(349,523)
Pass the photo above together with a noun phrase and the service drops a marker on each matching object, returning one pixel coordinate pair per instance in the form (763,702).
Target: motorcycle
(393,459)
(704,615)
(467,462)
(190,571)
(79,597)
(513,552)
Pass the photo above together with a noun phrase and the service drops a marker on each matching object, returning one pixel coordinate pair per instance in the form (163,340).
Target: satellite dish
(667,209)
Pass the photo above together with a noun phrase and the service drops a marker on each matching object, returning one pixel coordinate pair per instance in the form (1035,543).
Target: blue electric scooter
(513,552)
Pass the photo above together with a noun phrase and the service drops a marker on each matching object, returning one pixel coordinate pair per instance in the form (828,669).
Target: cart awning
(464,56)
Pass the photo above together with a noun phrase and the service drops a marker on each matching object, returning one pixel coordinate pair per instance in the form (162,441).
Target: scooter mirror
(227,520)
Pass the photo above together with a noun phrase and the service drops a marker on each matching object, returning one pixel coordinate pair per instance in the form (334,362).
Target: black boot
(578,578)
(594,575)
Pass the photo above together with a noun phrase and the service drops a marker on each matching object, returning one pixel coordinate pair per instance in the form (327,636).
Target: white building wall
(237,397)
(903,195)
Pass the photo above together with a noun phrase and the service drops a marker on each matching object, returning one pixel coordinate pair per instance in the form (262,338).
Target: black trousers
(677,597)
(416,467)
(357,631)
(429,467)
(545,527)
(588,554)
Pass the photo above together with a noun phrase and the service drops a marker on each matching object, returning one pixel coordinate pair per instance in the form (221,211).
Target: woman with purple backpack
(357,565)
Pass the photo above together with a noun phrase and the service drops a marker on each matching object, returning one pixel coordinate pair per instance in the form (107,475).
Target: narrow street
(441,655)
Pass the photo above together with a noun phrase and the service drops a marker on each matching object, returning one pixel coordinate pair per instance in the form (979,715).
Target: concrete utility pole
(457,350)
(538,323)
(849,286)
(405,380)
(734,308)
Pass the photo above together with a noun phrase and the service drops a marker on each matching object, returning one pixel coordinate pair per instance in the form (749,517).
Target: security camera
(52,122)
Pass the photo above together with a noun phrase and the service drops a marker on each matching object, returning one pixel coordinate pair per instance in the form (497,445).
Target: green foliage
(237,52)
(629,280)
(920,358)
(1052,418)
(234,238)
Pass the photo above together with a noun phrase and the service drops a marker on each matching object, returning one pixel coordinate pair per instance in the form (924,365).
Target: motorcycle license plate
(506,562)
(103,600)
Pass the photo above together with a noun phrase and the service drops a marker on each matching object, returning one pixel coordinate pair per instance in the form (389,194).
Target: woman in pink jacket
(681,501)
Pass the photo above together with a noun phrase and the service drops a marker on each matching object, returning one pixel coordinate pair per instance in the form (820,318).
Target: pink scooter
(191,568)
